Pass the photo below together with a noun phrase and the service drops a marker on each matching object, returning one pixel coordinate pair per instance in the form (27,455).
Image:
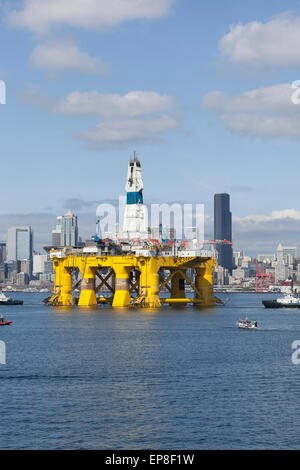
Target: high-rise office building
(38,263)
(66,231)
(223,230)
(287,253)
(19,244)
(2,252)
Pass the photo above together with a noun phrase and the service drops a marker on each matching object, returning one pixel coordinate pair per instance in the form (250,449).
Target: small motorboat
(247,324)
(5,323)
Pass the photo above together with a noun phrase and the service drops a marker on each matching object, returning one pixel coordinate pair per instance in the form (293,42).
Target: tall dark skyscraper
(223,229)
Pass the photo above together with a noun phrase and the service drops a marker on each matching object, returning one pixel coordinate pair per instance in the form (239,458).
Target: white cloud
(271,44)
(138,116)
(120,133)
(265,112)
(286,214)
(41,15)
(260,233)
(276,98)
(133,104)
(65,55)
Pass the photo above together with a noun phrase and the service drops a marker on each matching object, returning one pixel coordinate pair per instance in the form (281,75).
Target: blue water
(173,379)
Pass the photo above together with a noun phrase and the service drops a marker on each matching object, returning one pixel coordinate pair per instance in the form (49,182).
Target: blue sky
(60,60)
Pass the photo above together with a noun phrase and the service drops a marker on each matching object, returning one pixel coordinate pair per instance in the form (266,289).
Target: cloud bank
(138,116)
(267,112)
(264,45)
(65,55)
(42,15)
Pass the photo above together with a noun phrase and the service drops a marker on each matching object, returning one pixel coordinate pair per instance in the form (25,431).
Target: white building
(282,271)
(238,257)
(266,258)
(238,274)
(39,264)
(288,254)
(66,231)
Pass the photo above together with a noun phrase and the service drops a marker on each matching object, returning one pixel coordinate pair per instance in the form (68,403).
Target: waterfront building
(22,279)
(2,252)
(238,274)
(246,260)
(237,258)
(48,267)
(221,276)
(26,267)
(19,243)
(3,272)
(267,259)
(223,230)
(66,231)
(282,271)
(38,263)
(13,267)
(288,254)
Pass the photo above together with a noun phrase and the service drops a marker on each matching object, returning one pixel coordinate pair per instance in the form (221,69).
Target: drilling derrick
(135,225)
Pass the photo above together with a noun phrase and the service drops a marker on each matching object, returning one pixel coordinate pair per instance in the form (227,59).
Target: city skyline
(248,235)
(87,228)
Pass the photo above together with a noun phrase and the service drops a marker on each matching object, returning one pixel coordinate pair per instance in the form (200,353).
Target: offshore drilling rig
(133,269)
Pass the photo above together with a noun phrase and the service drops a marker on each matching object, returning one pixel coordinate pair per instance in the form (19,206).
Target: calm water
(81,378)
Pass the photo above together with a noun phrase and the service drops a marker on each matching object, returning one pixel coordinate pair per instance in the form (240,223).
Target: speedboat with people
(247,324)
(3,322)
(5,300)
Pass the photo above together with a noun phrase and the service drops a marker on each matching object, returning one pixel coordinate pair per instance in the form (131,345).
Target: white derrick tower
(135,224)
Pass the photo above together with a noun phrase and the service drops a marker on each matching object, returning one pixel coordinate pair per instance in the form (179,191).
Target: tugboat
(289,300)
(5,300)
(247,324)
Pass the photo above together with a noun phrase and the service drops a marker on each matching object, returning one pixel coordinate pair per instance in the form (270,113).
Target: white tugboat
(5,300)
(289,300)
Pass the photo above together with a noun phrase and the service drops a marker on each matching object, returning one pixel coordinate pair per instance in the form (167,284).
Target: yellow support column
(178,286)
(57,278)
(55,298)
(65,297)
(88,295)
(149,282)
(205,283)
(122,295)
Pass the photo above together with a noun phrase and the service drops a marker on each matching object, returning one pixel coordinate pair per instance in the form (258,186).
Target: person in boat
(1,318)
(255,323)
